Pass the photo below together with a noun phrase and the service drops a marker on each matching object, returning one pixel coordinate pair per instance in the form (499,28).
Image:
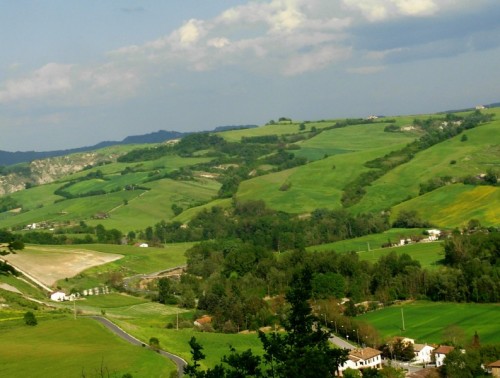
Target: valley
(220,223)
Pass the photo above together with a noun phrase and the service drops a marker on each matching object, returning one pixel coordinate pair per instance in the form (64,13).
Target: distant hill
(9,158)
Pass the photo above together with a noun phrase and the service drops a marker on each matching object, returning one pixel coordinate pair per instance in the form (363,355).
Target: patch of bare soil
(49,265)
(9,288)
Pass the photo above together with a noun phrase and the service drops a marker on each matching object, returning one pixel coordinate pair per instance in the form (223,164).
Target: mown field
(427,322)
(65,347)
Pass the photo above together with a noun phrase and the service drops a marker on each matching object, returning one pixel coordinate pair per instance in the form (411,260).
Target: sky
(75,73)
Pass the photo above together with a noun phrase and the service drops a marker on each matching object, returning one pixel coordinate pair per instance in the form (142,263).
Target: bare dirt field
(48,264)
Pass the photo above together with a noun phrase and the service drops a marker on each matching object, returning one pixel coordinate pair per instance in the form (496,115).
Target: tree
(462,365)
(12,242)
(154,343)
(164,291)
(191,369)
(304,351)
(30,319)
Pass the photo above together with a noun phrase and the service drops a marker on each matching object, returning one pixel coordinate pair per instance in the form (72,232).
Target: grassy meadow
(454,205)
(427,321)
(65,347)
(145,319)
(369,242)
(472,157)
(152,206)
(320,184)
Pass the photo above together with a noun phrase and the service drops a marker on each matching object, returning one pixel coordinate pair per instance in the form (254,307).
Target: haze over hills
(8,158)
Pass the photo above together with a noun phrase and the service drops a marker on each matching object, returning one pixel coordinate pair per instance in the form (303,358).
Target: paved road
(340,342)
(178,361)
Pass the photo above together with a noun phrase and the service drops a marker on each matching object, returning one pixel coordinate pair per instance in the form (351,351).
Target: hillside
(296,167)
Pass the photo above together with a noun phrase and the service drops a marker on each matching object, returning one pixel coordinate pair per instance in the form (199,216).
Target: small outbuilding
(58,296)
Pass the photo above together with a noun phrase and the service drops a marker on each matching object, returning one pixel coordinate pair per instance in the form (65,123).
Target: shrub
(30,319)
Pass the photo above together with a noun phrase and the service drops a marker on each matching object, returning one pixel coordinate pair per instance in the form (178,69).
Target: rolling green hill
(475,156)
(131,196)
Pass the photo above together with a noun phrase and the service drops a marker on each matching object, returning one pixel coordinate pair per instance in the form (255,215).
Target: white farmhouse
(423,353)
(433,234)
(360,359)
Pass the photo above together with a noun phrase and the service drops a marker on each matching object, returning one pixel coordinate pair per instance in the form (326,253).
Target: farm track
(175,271)
(178,361)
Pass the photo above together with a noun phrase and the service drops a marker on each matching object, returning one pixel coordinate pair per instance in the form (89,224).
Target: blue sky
(74,73)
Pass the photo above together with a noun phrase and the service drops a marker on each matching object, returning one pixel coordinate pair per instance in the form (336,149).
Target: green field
(128,209)
(426,321)
(277,129)
(320,184)
(151,207)
(351,139)
(148,319)
(215,345)
(65,347)
(369,242)
(454,205)
(480,152)
(428,254)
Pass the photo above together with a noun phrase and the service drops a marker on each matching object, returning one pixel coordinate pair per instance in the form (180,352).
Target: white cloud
(50,79)
(218,42)
(190,32)
(379,10)
(70,84)
(315,60)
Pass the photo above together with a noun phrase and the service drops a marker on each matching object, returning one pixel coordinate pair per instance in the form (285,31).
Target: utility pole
(403,318)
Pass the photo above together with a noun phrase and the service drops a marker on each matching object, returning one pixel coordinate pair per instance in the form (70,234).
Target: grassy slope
(215,345)
(373,241)
(426,321)
(278,129)
(73,209)
(65,348)
(39,202)
(454,205)
(475,156)
(351,139)
(155,205)
(428,254)
(148,319)
(319,184)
